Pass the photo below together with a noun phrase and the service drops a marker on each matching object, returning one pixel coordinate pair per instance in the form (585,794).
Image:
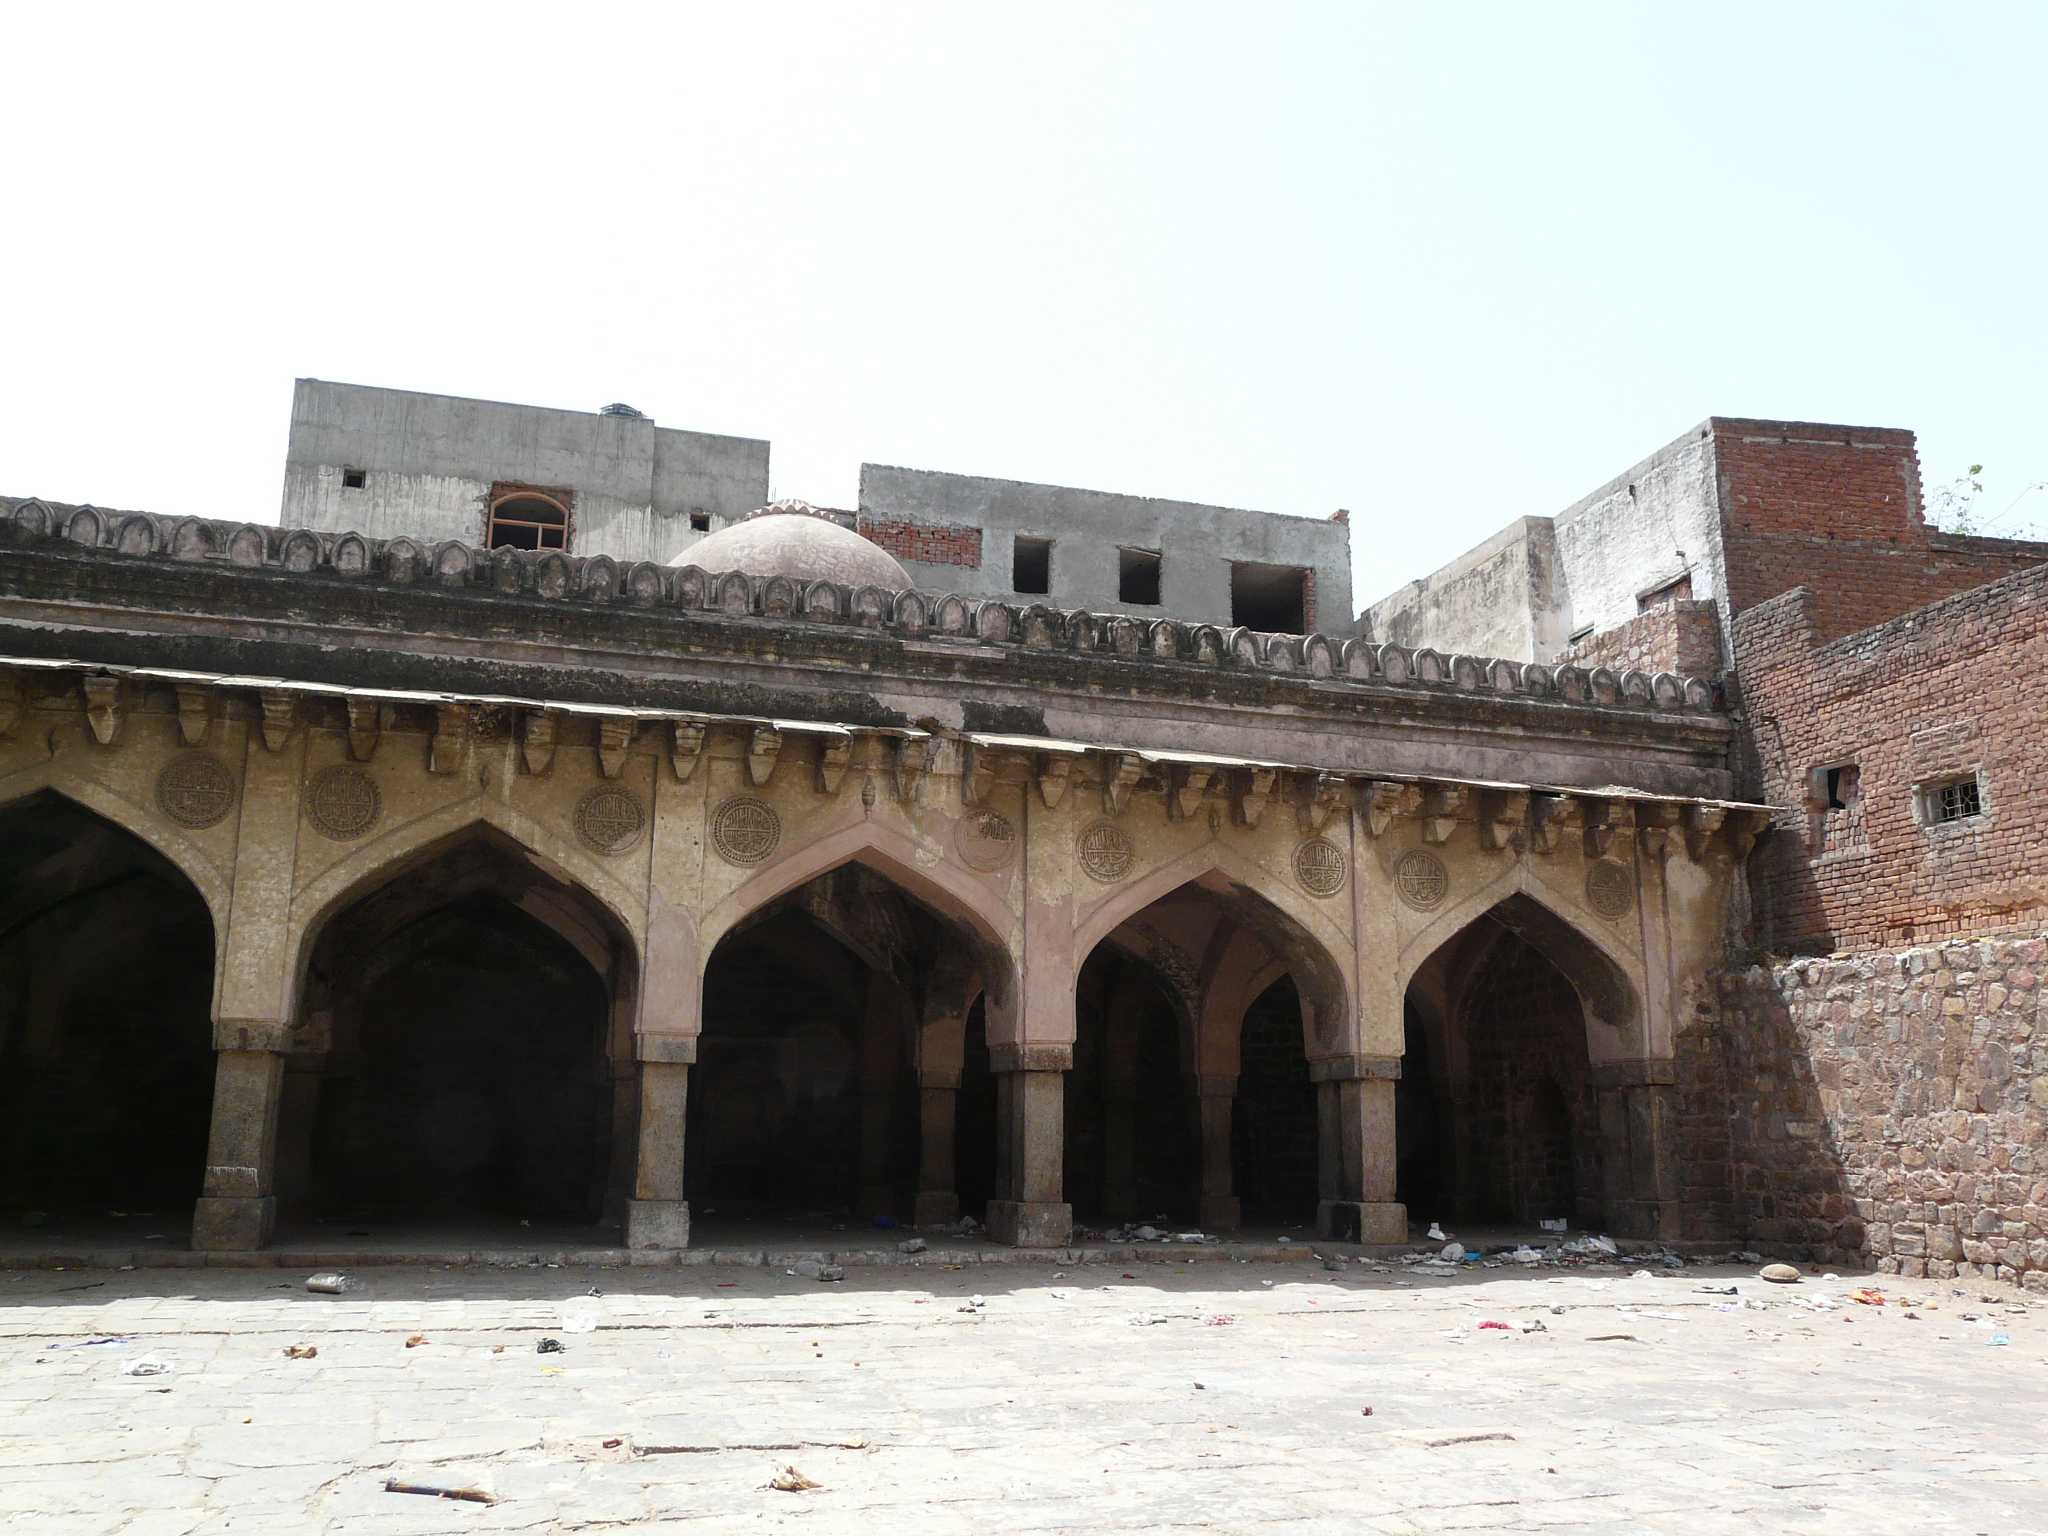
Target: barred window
(1953,802)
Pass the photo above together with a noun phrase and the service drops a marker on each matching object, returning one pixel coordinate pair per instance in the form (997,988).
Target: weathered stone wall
(1887,1109)
(1682,636)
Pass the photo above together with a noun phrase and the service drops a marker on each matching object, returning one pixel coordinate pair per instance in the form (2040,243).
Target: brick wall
(1838,509)
(1949,692)
(1887,1109)
(930,544)
(1308,601)
(1682,636)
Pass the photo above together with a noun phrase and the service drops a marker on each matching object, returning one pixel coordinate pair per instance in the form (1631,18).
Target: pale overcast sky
(1443,265)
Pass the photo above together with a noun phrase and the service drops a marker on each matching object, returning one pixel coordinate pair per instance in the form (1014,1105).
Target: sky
(1442,265)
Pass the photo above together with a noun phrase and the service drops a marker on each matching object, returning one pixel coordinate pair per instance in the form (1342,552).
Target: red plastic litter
(1503,1327)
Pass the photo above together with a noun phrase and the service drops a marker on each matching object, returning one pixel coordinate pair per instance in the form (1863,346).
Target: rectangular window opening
(1671,592)
(1137,577)
(1031,565)
(1269,598)
(700,522)
(1841,785)
(354,479)
(1955,802)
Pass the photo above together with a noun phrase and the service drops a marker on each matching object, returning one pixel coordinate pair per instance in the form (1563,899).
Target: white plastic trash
(148,1365)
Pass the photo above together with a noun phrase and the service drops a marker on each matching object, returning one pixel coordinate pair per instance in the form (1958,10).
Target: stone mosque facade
(398,878)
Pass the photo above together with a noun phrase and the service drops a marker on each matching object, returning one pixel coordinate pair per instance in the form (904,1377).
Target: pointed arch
(390,854)
(1612,980)
(945,888)
(189,859)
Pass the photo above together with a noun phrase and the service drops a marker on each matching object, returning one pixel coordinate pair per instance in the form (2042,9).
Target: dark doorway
(467,1075)
(1425,1174)
(106,1035)
(974,1120)
(1274,1128)
(1133,1140)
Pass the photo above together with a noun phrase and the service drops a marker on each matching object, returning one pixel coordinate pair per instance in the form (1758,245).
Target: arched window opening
(106,1036)
(527,521)
(461,1054)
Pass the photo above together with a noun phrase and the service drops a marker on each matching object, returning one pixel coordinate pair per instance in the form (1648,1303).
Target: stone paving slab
(1128,1395)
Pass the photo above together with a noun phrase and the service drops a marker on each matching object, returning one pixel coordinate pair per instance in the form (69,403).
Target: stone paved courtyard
(1158,1395)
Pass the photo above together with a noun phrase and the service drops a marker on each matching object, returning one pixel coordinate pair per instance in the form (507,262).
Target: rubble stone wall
(1682,636)
(1888,1109)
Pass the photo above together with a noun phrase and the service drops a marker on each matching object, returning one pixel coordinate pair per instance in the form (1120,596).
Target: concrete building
(390,463)
(1109,553)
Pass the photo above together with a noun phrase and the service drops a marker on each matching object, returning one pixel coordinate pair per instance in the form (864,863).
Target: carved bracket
(1191,783)
(1503,826)
(451,738)
(913,756)
(685,748)
(764,749)
(195,713)
(1598,818)
(1743,830)
(614,741)
(537,740)
(834,753)
(1442,806)
(1655,824)
(1055,772)
(1120,770)
(365,726)
(1554,818)
(977,773)
(1701,823)
(1384,801)
(1254,789)
(103,706)
(1322,800)
(278,713)
(10,706)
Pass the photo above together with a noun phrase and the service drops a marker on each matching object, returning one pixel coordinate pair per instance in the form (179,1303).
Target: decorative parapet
(552,576)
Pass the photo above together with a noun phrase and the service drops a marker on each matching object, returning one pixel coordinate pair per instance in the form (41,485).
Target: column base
(935,1208)
(1031,1223)
(874,1200)
(657,1223)
(233,1223)
(1221,1213)
(1362,1221)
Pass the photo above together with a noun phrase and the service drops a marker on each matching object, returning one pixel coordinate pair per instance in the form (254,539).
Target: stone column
(938,1198)
(1028,1211)
(1217,1098)
(237,1211)
(1356,1150)
(658,1216)
(1638,1160)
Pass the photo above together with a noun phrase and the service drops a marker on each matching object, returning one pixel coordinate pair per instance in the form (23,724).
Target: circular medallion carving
(610,819)
(985,840)
(1609,888)
(343,801)
(1320,866)
(1421,879)
(195,789)
(1105,851)
(745,830)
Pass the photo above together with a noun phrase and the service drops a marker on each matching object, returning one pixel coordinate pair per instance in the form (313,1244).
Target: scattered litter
(789,1480)
(1558,1225)
(1366,1412)
(2000,1338)
(1437,1234)
(1142,1319)
(1831,1275)
(912,1245)
(1498,1434)
(1216,1320)
(1779,1274)
(1642,1274)
(1716,1290)
(1868,1297)
(1610,1338)
(1437,1267)
(1453,1333)
(974,1304)
(578,1323)
(1524,1254)
(420,1338)
(1286,1239)
(148,1365)
(1533,1325)
(90,1344)
(593,1291)
(548,1347)
(1337,1266)
(467,1495)
(1490,1323)
(886,1223)
(300,1351)
(328,1282)
(1195,1237)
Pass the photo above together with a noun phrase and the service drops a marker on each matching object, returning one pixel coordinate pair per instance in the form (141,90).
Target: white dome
(790,539)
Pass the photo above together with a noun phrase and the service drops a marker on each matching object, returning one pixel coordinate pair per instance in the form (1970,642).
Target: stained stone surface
(1107,1397)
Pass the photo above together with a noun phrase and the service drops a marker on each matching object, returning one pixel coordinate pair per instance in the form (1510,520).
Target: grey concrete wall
(1499,599)
(1529,589)
(430,460)
(1196,543)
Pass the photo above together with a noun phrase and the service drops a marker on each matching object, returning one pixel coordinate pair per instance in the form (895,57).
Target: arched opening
(466,1053)
(1499,1113)
(106,1034)
(1190,1097)
(806,1107)
(528,521)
